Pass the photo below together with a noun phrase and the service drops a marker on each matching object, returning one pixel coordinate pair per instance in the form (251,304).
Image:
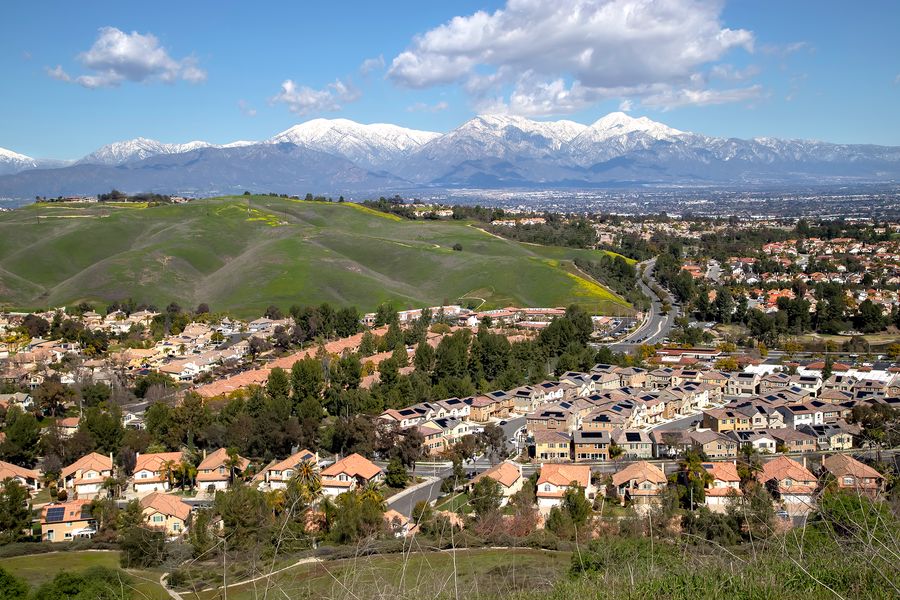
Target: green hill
(245,253)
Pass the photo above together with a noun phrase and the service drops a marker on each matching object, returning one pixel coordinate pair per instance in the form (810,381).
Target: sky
(76,76)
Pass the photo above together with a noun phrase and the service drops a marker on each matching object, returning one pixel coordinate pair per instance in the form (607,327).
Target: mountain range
(339,156)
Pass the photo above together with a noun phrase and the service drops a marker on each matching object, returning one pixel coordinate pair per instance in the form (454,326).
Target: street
(657,326)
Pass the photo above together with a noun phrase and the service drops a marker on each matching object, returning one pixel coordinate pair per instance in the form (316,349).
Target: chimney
(804,461)
(204,454)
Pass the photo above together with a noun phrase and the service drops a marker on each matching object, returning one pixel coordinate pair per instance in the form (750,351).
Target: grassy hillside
(244,253)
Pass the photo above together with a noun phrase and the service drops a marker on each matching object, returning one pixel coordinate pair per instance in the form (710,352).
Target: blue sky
(80,75)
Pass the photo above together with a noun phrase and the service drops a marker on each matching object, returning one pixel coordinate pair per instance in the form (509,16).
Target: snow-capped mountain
(13,162)
(140,148)
(485,151)
(372,146)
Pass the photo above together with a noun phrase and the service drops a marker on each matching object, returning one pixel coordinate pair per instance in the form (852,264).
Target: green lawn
(244,253)
(39,568)
(498,573)
(454,502)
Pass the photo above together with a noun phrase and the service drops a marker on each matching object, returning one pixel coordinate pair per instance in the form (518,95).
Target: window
(158,518)
(67,536)
(50,535)
(176,527)
(848,481)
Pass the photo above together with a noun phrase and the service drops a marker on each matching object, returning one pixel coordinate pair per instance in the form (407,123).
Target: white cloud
(117,57)
(565,55)
(626,105)
(897,79)
(785,50)
(246,109)
(57,72)
(371,64)
(676,98)
(423,107)
(304,100)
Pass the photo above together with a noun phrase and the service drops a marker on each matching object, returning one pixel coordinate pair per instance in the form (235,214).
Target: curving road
(657,326)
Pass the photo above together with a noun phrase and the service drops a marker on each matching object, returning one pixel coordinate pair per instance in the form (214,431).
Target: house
(591,445)
(433,440)
(277,474)
(166,512)
(215,470)
(552,417)
(808,413)
(791,482)
(742,384)
(792,440)
(713,444)
(726,419)
(724,485)
(774,382)
(850,474)
(86,475)
(633,442)
(397,523)
(28,478)
(20,399)
(555,479)
(759,440)
(68,426)
(348,473)
(552,446)
(66,521)
(152,472)
(829,436)
(640,482)
(508,474)
(632,377)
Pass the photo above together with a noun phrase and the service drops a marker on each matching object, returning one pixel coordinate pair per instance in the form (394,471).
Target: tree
(486,497)
(22,433)
(576,505)
(457,247)
(15,512)
(278,387)
(53,397)
(307,380)
(11,587)
(493,439)
(396,475)
(141,547)
(274,313)
(410,449)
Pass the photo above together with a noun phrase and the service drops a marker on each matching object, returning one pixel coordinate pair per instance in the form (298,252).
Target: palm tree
(372,492)
(233,463)
(167,471)
(186,474)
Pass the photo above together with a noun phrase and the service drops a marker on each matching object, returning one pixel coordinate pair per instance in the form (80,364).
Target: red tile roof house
(214,472)
(508,475)
(794,485)
(65,521)
(555,479)
(150,471)
(167,513)
(28,478)
(86,475)
(277,474)
(853,475)
(641,482)
(348,473)
(725,485)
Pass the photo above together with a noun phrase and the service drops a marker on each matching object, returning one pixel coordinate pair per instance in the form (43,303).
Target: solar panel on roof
(633,437)
(56,514)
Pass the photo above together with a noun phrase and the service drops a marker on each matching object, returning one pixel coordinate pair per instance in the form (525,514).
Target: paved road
(510,428)
(404,504)
(682,424)
(657,326)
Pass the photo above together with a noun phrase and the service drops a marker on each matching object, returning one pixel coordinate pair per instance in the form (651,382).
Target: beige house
(853,475)
(725,485)
(792,482)
(555,479)
(508,475)
(641,482)
(277,474)
(86,475)
(151,471)
(66,521)
(214,470)
(29,478)
(348,473)
(166,512)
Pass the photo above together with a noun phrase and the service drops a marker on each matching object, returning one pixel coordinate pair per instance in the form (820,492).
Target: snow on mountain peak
(618,123)
(9,155)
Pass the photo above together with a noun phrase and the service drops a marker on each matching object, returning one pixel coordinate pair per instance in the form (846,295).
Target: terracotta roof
(292,461)
(354,466)
(841,464)
(10,470)
(723,471)
(782,468)
(215,460)
(92,461)
(74,510)
(506,474)
(562,475)
(166,504)
(640,471)
(154,462)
